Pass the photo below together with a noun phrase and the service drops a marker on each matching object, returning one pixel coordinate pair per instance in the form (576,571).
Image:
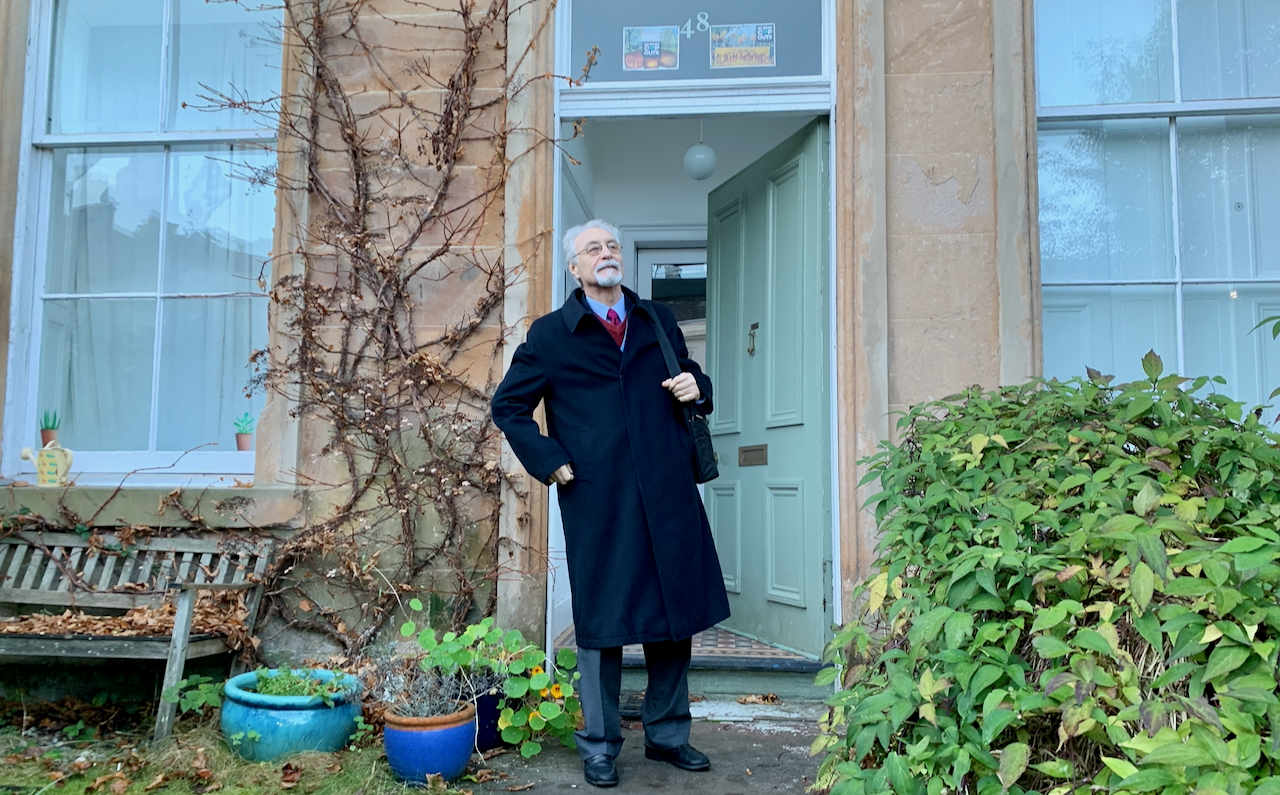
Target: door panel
(767,344)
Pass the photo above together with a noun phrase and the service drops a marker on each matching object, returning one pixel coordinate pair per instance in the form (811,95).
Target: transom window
(1159,146)
(148,263)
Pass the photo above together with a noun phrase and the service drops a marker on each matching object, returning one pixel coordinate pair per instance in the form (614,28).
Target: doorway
(719,273)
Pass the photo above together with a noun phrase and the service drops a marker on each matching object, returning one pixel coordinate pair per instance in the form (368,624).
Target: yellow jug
(53,462)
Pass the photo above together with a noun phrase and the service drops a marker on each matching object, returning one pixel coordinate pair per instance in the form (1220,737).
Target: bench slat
(51,571)
(73,563)
(149,648)
(121,601)
(34,564)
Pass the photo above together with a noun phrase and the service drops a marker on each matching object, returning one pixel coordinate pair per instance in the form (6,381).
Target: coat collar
(575,308)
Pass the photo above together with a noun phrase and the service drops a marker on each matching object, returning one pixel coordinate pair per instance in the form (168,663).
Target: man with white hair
(641,560)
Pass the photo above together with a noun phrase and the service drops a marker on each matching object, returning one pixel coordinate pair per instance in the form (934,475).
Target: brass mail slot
(757,455)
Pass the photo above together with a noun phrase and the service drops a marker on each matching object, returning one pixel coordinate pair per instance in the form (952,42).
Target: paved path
(752,749)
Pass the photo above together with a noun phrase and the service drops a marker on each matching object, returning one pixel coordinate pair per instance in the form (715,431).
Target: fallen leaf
(695,699)
(520,788)
(101,781)
(156,783)
(81,765)
(202,789)
(289,776)
(334,768)
(767,698)
(305,606)
(120,785)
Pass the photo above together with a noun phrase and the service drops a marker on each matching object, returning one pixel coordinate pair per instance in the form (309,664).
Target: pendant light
(700,160)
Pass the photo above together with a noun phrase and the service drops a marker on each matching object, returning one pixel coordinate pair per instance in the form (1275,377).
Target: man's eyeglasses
(594,249)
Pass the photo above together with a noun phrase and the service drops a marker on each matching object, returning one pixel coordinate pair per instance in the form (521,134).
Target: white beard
(611,279)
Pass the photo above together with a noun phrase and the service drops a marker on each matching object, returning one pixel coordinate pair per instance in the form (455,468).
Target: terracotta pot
(244,441)
(48,435)
(421,747)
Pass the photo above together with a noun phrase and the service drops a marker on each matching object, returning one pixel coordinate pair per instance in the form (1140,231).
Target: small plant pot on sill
(48,435)
(261,727)
(244,441)
(421,747)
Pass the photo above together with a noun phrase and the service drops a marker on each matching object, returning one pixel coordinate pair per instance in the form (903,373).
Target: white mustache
(608,263)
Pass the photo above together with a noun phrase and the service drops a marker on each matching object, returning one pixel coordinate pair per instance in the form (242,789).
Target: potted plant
(49,424)
(244,432)
(516,698)
(270,713)
(429,727)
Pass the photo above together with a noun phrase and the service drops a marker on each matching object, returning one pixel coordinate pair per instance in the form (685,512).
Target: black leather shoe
(685,757)
(599,771)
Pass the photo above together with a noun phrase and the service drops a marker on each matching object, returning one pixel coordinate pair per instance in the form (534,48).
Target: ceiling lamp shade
(700,161)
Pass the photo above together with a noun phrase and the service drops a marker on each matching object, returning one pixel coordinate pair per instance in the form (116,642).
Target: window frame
(1171,111)
(35,174)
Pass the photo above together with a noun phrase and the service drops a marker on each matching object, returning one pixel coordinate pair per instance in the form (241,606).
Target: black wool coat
(642,563)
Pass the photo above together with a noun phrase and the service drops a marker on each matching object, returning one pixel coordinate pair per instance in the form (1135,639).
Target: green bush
(1075,593)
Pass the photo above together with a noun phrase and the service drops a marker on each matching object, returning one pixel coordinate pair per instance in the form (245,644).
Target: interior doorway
(629,172)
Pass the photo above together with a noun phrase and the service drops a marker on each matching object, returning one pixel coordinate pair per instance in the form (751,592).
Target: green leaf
(567,658)
(1121,767)
(959,627)
(515,687)
(549,709)
(1049,647)
(1013,762)
(1224,660)
(1091,640)
(1056,768)
(415,604)
(512,735)
(1241,544)
(926,627)
(1147,780)
(1146,501)
(1187,586)
(1142,585)
(1048,619)
(529,749)
(407,629)
(1152,366)
(539,681)
(995,723)
(1178,754)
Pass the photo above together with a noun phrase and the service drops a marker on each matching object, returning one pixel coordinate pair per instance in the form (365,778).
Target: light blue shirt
(602,312)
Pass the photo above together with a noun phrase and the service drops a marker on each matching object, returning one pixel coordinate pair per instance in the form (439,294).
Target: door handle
(751,339)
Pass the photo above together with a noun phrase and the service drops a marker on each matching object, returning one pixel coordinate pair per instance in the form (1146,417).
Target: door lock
(751,339)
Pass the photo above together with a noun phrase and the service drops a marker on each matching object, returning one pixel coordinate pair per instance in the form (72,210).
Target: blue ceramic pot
(261,728)
(420,747)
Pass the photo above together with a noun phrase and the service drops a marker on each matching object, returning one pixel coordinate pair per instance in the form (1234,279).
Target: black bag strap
(664,341)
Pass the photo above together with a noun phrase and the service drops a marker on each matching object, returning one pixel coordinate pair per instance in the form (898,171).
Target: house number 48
(703,25)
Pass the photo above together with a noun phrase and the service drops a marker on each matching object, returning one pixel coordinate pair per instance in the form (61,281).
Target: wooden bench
(66,570)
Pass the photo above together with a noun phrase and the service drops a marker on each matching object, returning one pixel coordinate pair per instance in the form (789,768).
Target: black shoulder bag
(704,455)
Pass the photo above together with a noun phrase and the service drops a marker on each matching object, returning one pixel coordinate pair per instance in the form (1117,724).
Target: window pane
(104,220)
(219,229)
(95,371)
(1229,49)
(1220,340)
(1108,329)
(106,66)
(222,48)
(204,369)
(1105,201)
(1230,196)
(1093,52)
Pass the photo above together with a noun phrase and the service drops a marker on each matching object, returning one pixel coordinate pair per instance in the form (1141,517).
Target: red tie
(615,326)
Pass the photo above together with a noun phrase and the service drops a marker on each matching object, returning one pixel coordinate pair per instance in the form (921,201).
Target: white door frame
(674,98)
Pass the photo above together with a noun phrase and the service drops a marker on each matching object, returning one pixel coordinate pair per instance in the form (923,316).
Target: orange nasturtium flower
(535,670)
(556,692)
(543,692)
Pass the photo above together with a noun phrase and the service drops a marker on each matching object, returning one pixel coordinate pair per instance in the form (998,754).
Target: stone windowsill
(151,506)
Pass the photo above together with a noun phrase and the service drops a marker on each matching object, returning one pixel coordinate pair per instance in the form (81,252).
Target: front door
(767,352)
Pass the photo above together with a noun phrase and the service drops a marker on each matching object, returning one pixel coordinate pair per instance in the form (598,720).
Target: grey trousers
(665,712)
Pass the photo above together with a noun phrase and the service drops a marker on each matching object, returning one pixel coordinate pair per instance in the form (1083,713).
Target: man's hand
(562,475)
(684,387)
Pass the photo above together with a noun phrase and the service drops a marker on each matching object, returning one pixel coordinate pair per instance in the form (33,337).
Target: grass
(194,762)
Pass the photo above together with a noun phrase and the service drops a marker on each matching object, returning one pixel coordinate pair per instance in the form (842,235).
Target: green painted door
(767,354)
